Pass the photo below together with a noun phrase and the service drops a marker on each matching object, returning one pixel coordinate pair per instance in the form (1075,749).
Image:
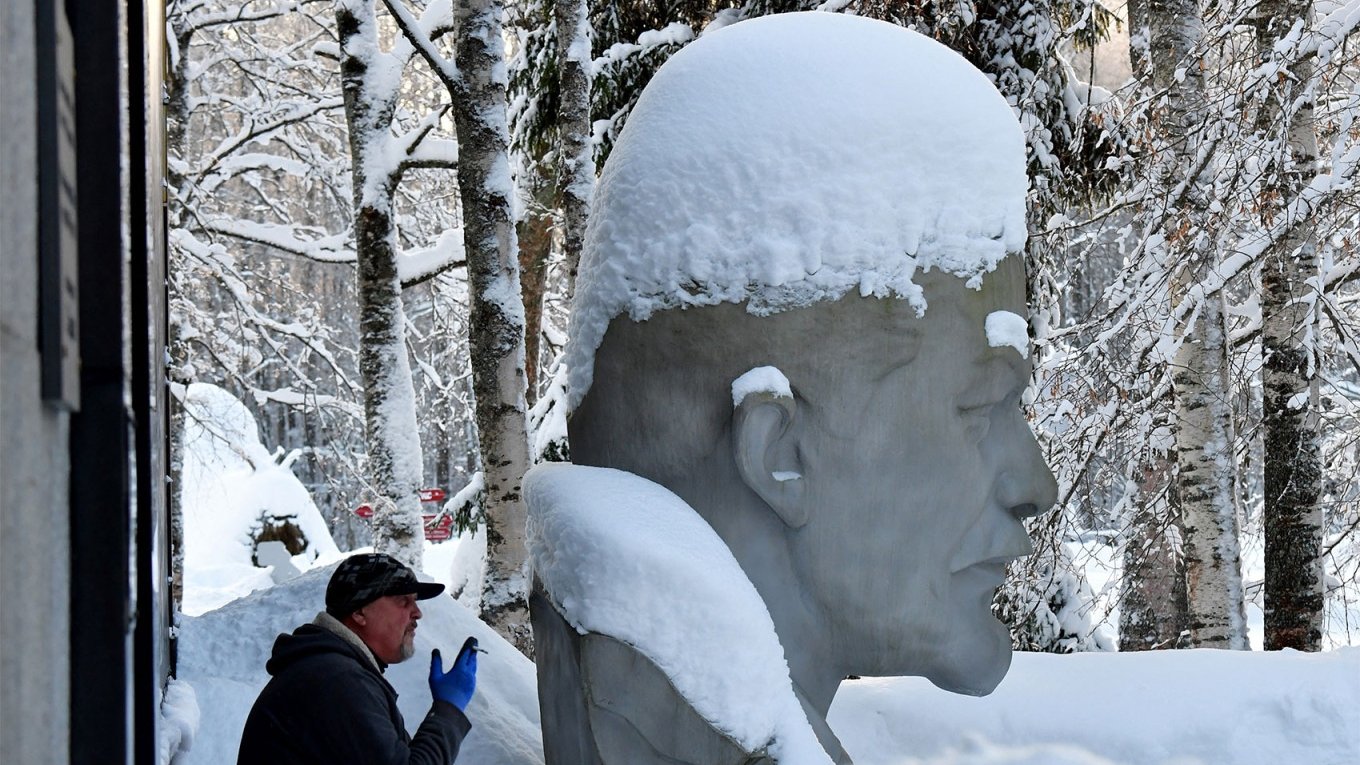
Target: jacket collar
(338,628)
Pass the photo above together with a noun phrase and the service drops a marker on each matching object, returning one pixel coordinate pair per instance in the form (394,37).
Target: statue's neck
(758,540)
(758,543)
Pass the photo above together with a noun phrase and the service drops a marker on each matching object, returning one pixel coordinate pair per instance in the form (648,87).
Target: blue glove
(457,685)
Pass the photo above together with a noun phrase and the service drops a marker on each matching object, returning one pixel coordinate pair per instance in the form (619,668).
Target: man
(843,200)
(328,703)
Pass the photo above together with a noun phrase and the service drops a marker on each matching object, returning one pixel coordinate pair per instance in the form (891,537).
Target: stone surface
(874,510)
(34,546)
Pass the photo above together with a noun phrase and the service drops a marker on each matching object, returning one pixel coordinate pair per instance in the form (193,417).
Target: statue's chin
(975,662)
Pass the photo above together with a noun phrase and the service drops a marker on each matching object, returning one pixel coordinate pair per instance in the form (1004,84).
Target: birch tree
(273,198)
(476,81)
(577,173)
(371,80)
(533,85)
(497,322)
(553,155)
(1292,512)
(1254,91)
(1206,479)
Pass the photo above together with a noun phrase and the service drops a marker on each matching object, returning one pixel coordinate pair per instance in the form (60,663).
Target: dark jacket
(328,704)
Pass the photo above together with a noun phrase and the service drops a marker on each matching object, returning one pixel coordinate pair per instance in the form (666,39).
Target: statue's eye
(977,420)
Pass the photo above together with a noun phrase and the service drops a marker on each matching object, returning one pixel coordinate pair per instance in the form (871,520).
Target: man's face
(918,475)
(388,627)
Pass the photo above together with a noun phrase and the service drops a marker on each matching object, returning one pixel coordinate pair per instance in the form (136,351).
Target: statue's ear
(765,449)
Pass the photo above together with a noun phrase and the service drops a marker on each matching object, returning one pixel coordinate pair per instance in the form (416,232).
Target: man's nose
(415,611)
(1026,487)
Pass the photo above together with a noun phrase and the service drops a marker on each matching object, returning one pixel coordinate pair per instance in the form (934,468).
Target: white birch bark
(370,80)
(578,167)
(497,323)
(1289,276)
(1206,481)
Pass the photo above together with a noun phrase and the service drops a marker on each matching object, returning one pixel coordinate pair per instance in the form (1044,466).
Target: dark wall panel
(119,610)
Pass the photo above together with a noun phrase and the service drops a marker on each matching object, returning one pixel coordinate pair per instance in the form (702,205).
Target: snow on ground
(222,655)
(1200,707)
(438,561)
(1161,708)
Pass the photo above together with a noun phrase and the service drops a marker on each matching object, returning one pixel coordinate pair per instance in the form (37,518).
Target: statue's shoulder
(605,703)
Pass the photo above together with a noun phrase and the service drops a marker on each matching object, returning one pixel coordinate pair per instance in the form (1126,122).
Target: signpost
(438,532)
(434,531)
(432,495)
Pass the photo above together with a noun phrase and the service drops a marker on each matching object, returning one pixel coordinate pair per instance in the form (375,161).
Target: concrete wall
(34,539)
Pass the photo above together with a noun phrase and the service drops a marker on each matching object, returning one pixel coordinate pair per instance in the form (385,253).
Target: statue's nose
(1027,487)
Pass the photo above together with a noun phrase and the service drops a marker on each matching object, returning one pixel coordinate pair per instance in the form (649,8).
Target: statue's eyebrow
(993,376)
(901,356)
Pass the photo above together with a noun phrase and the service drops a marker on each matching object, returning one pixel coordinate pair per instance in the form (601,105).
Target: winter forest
(376,209)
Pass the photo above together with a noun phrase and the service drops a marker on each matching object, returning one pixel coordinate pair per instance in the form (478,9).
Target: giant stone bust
(837,203)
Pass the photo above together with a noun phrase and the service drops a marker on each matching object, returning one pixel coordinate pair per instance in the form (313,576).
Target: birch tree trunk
(1152,611)
(496,339)
(1139,39)
(393,438)
(1289,275)
(578,167)
(1206,483)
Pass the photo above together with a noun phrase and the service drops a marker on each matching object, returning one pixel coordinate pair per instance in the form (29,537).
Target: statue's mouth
(989,545)
(992,570)
(993,564)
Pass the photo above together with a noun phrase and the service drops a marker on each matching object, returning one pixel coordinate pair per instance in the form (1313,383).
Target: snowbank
(1164,708)
(1200,707)
(179,721)
(232,484)
(790,159)
(222,655)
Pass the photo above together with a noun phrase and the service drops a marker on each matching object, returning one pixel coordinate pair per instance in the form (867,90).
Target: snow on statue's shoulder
(790,159)
(624,557)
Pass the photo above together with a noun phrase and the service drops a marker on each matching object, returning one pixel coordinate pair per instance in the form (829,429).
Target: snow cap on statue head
(791,159)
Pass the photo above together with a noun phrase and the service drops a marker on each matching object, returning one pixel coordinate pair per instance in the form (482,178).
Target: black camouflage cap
(363,578)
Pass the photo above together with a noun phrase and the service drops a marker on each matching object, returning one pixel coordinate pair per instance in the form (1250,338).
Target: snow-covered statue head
(801,309)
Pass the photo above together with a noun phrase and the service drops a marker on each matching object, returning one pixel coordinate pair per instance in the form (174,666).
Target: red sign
(440,531)
(432,495)
(434,531)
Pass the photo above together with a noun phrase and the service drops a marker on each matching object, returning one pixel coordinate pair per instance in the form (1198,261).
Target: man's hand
(456,685)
